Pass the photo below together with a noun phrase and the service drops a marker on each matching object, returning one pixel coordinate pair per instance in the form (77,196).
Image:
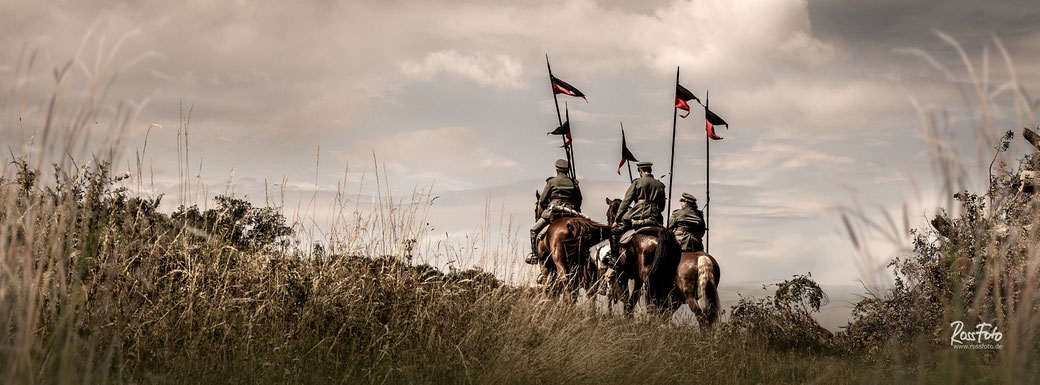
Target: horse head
(537,207)
(612,208)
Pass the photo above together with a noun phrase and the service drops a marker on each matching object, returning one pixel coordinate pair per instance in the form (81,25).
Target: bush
(784,320)
(978,265)
(237,223)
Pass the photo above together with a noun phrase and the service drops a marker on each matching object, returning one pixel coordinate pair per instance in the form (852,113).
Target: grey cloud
(454,94)
(499,71)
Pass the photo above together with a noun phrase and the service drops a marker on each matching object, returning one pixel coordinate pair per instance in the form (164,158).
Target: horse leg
(591,284)
(563,276)
(691,301)
(633,296)
(675,300)
(662,298)
(549,284)
(686,281)
(617,291)
(651,291)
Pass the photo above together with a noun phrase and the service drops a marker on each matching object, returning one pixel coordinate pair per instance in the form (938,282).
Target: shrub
(784,320)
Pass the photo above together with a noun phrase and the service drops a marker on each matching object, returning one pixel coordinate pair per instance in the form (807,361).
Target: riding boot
(532,259)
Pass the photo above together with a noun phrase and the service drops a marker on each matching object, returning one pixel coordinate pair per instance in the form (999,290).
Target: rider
(647,197)
(688,224)
(561,194)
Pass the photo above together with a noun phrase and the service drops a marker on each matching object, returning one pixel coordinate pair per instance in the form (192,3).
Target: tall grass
(977,260)
(98,285)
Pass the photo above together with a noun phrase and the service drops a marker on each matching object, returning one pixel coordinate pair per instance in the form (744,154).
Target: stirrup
(532,259)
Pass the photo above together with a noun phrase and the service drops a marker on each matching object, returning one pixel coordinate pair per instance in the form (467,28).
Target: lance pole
(671,166)
(556,101)
(570,147)
(707,176)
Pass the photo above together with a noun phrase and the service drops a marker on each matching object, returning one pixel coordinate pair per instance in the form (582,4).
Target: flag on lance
(562,87)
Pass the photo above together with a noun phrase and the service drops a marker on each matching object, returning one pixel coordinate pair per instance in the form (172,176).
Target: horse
(566,241)
(697,280)
(650,258)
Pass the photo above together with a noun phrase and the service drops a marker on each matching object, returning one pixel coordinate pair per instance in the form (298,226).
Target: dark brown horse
(649,259)
(566,264)
(697,280)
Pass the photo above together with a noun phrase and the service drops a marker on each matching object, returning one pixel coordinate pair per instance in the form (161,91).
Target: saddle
(627,235)
(559,212)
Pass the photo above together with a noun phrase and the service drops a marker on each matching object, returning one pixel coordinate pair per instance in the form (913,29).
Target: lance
(671,174)
(707,176)
(556,101)
(570,147)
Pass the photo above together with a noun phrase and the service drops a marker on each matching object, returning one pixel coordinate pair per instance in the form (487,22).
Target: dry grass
(98,286)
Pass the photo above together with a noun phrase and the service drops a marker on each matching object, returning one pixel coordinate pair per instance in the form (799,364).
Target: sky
(829,104)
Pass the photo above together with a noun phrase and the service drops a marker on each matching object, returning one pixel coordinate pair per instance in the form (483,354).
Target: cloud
(781,156)
(815,96)
(709,37)
(721,37)
(453,157)
(498,71)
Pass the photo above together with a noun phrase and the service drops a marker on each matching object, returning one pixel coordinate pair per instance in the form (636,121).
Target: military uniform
(561,196)
(688,224)
(644,201)
(560,192)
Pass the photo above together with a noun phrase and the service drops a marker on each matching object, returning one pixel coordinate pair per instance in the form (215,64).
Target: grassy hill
(97,285)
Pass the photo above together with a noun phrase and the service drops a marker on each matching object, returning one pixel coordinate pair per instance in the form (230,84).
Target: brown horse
(697,280)
(650,258)
(566,265)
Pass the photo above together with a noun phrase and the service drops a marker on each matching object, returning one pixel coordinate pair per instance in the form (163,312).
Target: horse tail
(587,229)
(707,285)
(584,233)
(666,257)
(577,228)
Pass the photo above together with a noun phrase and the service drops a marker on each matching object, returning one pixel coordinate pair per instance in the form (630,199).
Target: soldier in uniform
(688,224)
(561,194)
(644,201)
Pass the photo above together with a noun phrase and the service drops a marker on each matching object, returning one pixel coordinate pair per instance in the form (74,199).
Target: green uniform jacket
(646,196)
(693,220)
(560,188)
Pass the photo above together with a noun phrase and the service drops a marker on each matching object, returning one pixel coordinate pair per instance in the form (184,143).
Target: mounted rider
(642,206)
(561,197)
(644,201)
(688,224)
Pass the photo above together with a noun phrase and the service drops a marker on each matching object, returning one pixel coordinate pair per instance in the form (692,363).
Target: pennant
(562,87)
(710,121)
(682,96)
(626,155)
(564,130)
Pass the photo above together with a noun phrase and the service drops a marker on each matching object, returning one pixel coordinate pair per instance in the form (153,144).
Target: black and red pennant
(562,87)
(564,130)
(626,155)
(710,121)
(682,97)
